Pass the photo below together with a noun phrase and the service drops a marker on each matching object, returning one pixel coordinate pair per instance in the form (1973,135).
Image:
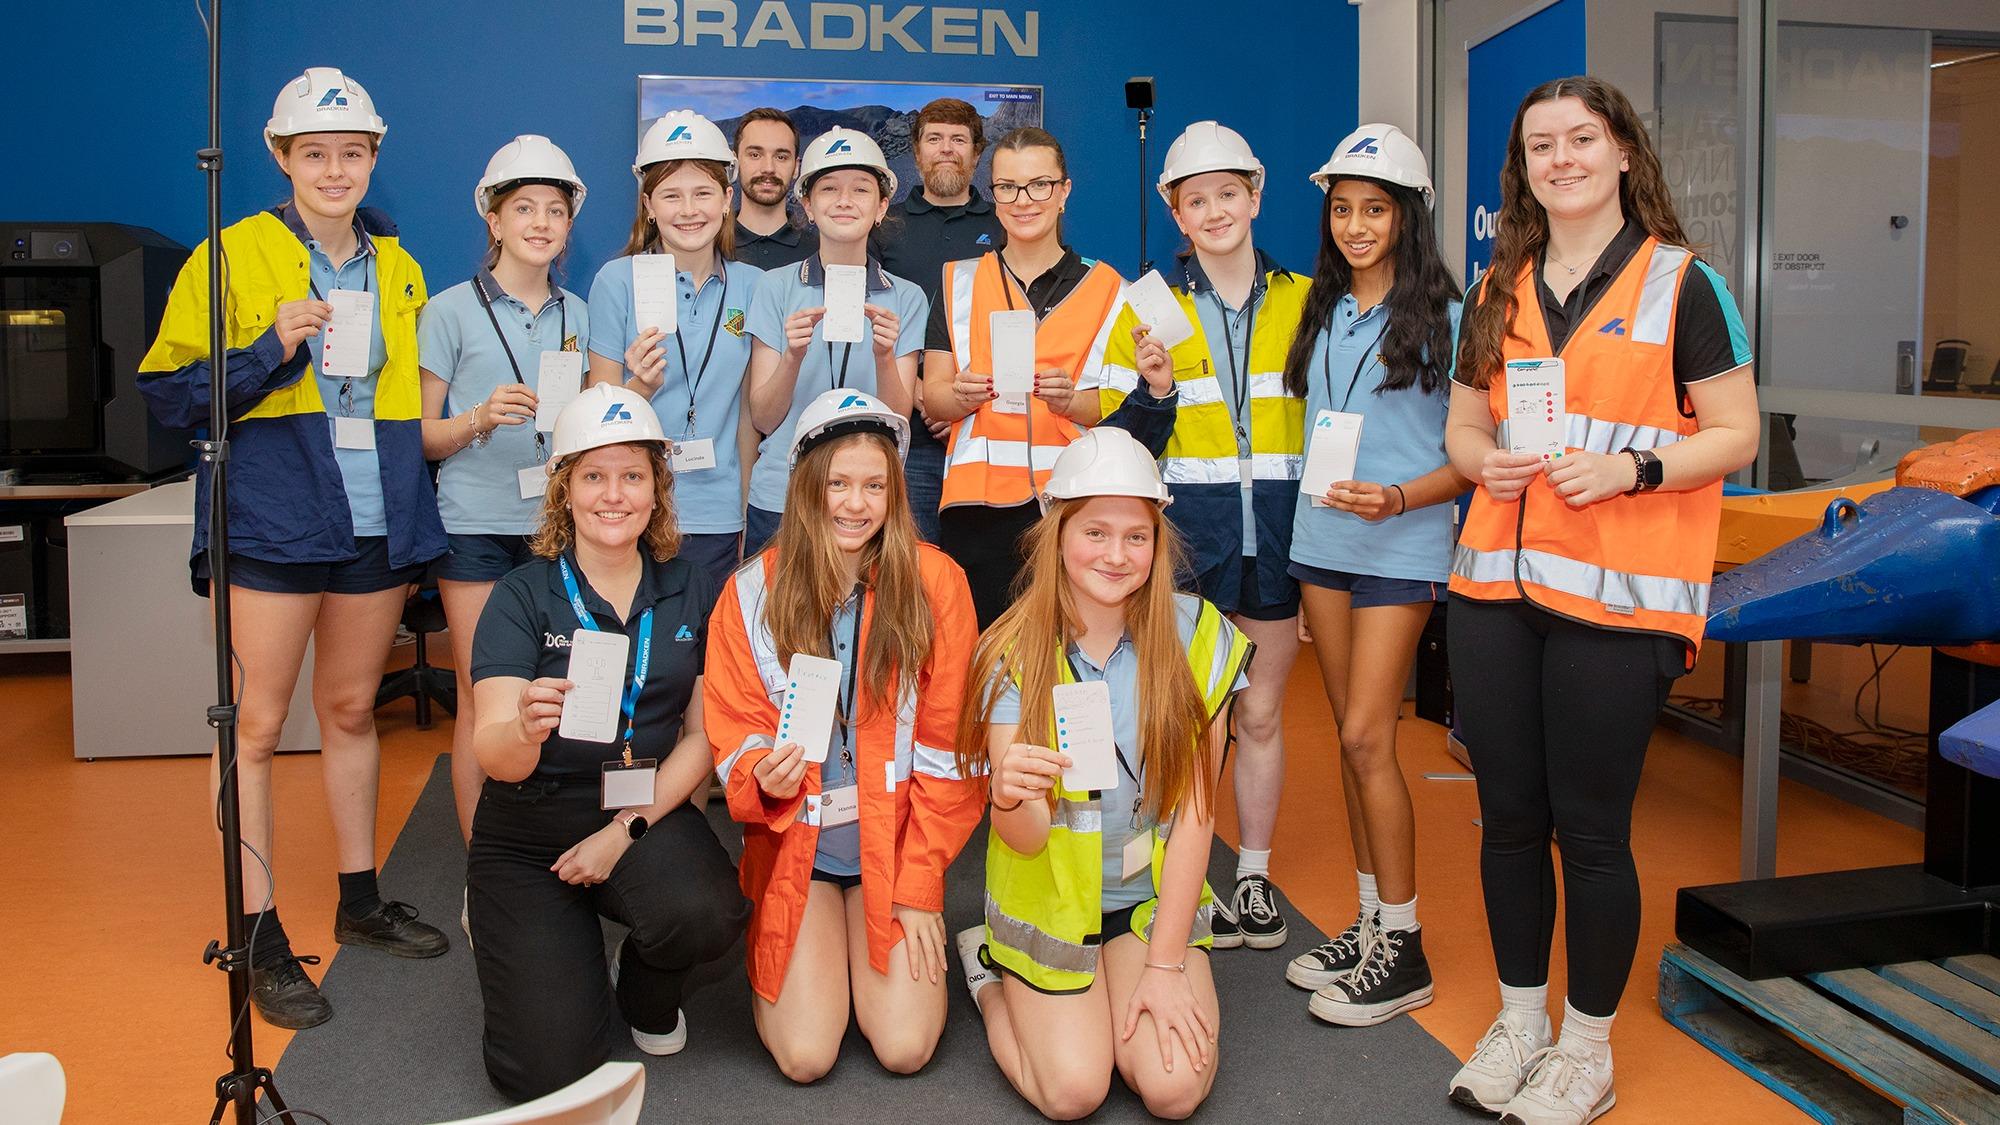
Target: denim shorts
(483,558)
(367,573)
(1367,589)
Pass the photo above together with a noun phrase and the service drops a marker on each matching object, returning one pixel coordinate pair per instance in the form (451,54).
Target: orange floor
(111,890)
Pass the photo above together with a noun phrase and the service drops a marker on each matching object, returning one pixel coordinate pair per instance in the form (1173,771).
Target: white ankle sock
(1400,915)
(1250,861)
(1371,900)
(1582,1034)
(1527,1010)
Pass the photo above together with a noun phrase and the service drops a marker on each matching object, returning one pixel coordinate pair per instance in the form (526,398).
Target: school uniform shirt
(839,848)
(826,366)
(702,387)
(360,470)
(788,245)
(1124,817)
(527,626)
(475,354)
(1402,438)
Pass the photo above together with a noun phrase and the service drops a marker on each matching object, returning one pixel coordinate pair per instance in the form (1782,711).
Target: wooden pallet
(1916,1042)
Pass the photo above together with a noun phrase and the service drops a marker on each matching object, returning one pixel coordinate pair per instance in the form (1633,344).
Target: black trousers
(1557,715)
(986,543)
(538,946)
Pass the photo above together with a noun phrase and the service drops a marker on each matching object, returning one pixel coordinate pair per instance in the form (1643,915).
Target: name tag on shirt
(1336,444)
(693,455)
(345,338)
(628,787)
(1138,856)
(1084,732)
(846,292)
(1011,342)
(1154,304)
(597,675)
(654,290)
(558,382)
(533,481)
(840,806)
(353,433)
(806,714)
(1537,419)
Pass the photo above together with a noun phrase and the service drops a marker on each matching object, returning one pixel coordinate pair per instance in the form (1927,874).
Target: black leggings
(987,543)
(1556,716)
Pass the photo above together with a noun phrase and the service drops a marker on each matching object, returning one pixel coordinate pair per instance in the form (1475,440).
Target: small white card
(354,433)
(628,787)
(533,481)
(655,293)
(1011,335)
(559,381)
(345,338)
(1156,307)
(1537,417)
(1336,443)
(1138,856)
(1084,732)
(597,673)
(846,293)
(806,714)
(840,806)
(693,455)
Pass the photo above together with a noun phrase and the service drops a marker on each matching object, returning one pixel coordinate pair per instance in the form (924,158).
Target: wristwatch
(635,825)
(1650,471)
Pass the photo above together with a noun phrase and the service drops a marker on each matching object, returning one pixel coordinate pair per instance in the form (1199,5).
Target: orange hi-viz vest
(988,457)
(1640,563)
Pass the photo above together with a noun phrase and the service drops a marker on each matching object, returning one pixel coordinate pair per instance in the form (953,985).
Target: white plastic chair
(609,1095)
(32,1088)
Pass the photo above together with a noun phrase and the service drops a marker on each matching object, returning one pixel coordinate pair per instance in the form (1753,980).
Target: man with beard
(942,220)
(767,159)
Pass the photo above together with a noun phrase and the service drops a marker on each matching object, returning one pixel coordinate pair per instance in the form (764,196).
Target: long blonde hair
(807,583)
(558,525)
(1025,644)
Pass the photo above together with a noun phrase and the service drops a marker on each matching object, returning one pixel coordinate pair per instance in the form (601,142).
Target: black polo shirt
(1044,293)
(526,628)
(1704,346)
(920,237)
(788,245)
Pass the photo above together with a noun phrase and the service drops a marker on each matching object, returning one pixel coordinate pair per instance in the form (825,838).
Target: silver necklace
(1572,269)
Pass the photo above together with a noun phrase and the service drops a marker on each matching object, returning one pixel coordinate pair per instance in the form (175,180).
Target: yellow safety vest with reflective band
(1044,912)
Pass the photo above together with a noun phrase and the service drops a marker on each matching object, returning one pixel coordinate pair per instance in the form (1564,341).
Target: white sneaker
(653,1043)
(977,975)
(1497,1069)
(1562,1089)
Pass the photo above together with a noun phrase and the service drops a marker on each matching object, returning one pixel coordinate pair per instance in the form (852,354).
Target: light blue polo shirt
(826,366)
(708,360)
(360,469)
(1121,671)
(478,488)
(839,851)
(1228,333)
(1402,438)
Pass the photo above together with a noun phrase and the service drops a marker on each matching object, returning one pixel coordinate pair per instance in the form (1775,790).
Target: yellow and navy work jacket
(1044,912)
(1203,460)
(286,500)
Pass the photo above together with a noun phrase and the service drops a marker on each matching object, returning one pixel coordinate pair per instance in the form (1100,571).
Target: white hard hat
(1106,461)
(843,148)
(322,100)
(1208,147)
(531,158)
(838,413)
(683,134)
(1378,152)
(605,415)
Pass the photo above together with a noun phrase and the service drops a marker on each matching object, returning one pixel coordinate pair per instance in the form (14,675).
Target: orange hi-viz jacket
(916,810)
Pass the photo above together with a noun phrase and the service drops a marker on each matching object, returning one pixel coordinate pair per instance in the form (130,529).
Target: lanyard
(1326,367)
(1239,382)
(1008,290)
(852,685)
(1139,797)
(839,374)
(346,385)
(630,704)
(721,310)
(485,302)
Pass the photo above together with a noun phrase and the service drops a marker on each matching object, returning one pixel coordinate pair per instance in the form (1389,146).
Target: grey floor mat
(404,1043)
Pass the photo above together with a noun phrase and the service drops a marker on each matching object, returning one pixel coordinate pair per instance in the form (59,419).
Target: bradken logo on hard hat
(332,98)
(617,413)
(680,133)
(852,401)
(1365,147)
(839,145)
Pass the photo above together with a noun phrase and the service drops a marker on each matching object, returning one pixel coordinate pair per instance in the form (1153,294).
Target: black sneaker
(1393,978)
(1228,932)
(285,996)
(1330,960)
(1256,910)
(391,928)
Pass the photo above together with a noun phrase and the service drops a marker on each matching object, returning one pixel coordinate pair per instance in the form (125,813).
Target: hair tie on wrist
(1402,501)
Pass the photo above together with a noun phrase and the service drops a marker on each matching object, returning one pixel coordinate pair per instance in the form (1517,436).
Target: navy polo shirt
(526,628)
(920,237)
(787,246)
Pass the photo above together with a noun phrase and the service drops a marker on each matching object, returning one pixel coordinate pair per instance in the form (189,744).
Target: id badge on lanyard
(626,782)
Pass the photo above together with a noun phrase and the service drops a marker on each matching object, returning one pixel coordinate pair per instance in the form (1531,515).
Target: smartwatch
(635,825)
(1651,473)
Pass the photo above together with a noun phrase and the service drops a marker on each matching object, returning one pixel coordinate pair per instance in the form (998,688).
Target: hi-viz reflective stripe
(1224,470)
(1207,389)
(1656,301)
(1043,948)
(1078,816)
(754,742)
(1610,588)
(996,451)
(1599,436)
(962,274)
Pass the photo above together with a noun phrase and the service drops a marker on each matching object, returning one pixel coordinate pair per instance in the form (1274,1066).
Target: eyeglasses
(1038,190)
